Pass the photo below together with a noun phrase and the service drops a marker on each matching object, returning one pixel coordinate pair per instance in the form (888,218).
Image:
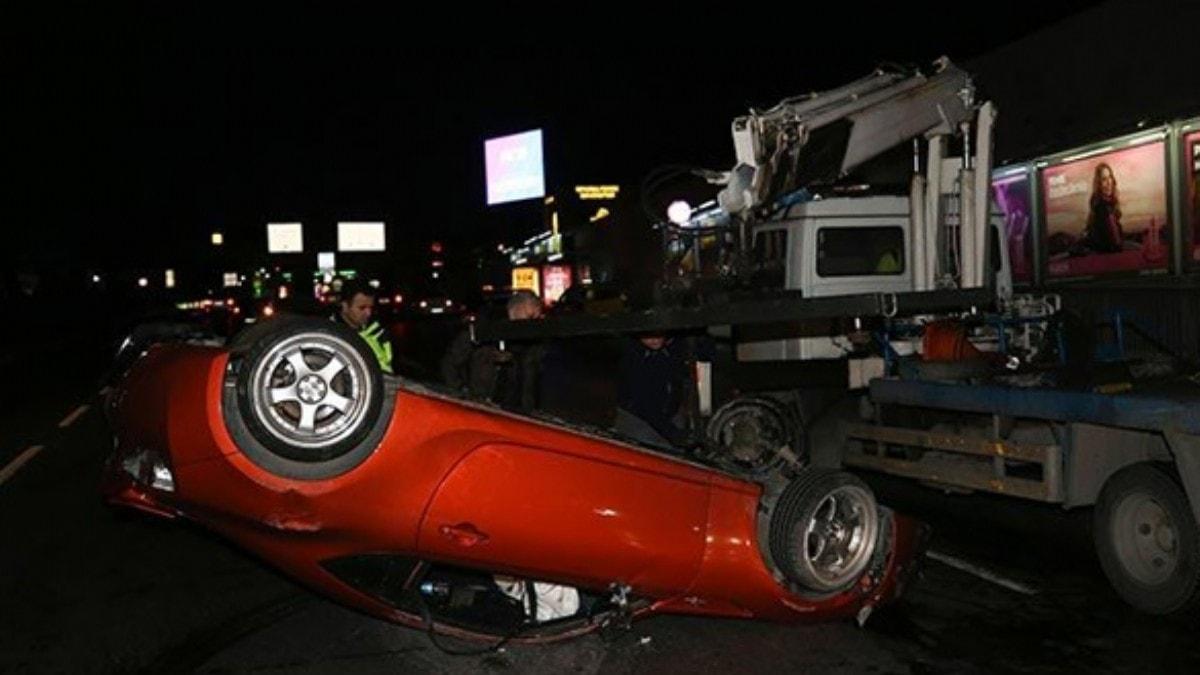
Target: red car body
(466,484)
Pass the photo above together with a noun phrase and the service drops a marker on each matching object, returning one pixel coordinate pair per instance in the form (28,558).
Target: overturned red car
(427,510)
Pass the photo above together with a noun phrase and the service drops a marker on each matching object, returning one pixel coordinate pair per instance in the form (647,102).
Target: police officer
(355,310)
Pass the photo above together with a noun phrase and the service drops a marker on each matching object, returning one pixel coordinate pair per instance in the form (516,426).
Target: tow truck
(942,374)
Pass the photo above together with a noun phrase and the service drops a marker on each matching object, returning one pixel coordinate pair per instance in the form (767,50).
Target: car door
(586,512)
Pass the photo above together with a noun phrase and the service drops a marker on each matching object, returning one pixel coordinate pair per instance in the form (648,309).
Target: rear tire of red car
(308,399)
(824,530)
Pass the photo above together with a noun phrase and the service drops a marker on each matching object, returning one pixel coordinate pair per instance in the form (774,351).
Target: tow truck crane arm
(822,136)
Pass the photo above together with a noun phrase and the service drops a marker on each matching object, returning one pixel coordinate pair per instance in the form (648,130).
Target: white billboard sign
(285,238)
(360,237)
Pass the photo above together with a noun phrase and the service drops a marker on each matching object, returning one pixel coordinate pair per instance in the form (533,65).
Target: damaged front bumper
(139,478)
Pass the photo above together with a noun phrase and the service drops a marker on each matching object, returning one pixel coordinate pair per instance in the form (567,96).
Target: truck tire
(1147,539)
(746,435)
(824,530)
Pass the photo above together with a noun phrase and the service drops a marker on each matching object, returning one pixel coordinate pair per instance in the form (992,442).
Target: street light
(679,212)
(217,239)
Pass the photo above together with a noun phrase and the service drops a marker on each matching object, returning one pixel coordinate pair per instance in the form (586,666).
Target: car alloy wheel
(310,390)
(824,529)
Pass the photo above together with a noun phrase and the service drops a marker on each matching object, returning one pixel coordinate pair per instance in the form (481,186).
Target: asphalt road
(88,589)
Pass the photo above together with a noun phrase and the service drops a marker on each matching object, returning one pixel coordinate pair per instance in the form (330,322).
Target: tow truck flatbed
(752,310)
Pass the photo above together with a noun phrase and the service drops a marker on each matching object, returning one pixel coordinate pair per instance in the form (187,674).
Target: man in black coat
(508,377)
(654,376)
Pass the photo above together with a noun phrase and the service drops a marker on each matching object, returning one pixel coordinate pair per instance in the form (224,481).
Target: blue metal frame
(884,335)
(1176,409)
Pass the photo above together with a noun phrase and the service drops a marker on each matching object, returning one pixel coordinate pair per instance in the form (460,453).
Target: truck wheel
(1147,540)
(824,529)
(746,435)
(308,399)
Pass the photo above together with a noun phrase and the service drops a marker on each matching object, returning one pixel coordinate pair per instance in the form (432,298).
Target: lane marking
(76,414)
(981,572)
(17,463)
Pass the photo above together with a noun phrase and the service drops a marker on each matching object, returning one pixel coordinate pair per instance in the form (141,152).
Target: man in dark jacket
(654,374)
(509,376)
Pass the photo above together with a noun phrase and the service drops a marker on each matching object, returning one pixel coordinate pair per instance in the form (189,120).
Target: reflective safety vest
(377,340)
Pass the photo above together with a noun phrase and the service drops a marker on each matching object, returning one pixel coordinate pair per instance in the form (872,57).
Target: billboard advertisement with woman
(1107,213)
(1012,196)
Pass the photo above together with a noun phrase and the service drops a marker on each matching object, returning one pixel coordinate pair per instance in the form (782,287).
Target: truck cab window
(860,251)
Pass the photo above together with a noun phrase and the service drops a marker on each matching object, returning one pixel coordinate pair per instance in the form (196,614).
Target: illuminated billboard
(556,279)
(1011,193)
(597,192)
(285,238)
(514,167)
(526,279)
(360,237)
(1107,212)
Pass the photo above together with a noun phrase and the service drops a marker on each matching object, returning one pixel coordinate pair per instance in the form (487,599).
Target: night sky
(139,135)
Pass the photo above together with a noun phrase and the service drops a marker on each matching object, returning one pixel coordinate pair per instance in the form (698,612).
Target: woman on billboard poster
(1103,233)
(1107,213)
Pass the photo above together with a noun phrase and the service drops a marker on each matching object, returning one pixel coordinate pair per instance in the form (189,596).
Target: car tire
(244,340)
(1147,539)
(308,399)
(824,530)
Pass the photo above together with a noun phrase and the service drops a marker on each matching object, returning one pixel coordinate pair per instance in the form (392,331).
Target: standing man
(508,377)
(355,311)
(653,387)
